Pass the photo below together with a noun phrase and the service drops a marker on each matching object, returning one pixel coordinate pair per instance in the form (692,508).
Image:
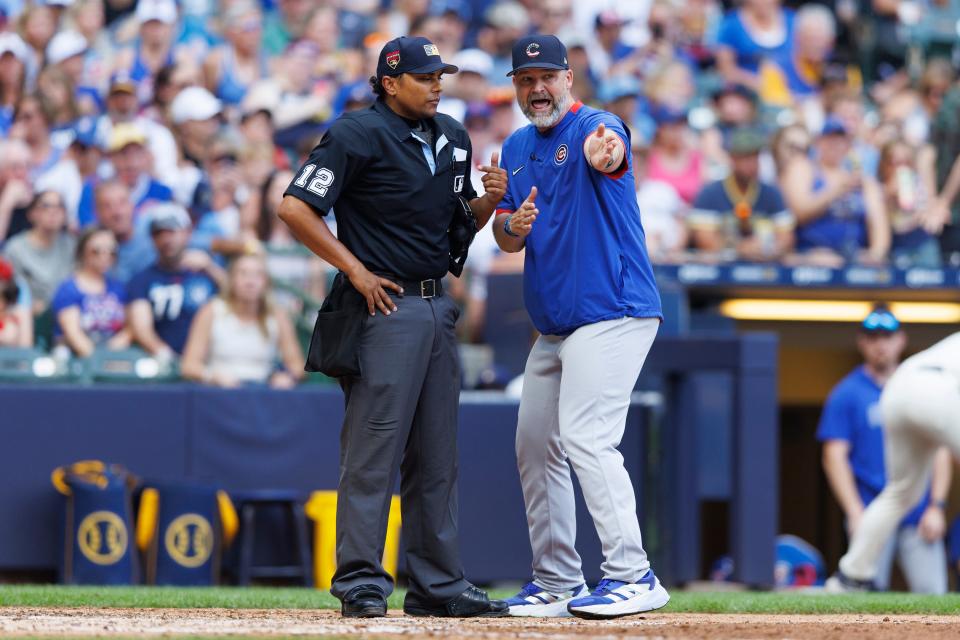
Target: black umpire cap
(411,55)
(539,52)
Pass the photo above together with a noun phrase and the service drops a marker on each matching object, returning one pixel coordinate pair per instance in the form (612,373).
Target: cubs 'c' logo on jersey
(533,50)
(393,59)
(189,540)
(561,155)
(102,538)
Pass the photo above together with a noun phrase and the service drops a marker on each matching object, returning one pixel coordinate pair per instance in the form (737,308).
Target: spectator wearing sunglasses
(853,459)
(88,306)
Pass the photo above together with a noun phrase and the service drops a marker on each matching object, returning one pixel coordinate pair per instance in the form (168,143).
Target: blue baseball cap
(880,320)
(411,55)
(833,126)
(539,52)
(84,132)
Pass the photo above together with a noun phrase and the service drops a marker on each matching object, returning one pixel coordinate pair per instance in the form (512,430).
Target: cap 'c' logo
(561,155)
(189,540)
(393,59)
(533,50)
(431,50)
(102,538)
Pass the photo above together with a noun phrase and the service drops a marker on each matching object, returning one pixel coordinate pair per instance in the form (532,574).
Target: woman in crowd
(286,261)
(241,338)
(57,95)
(909,205)
(32,124)
(233,67)
(88,306)
(839,209)
(759,29)
(674,157)
(43,254)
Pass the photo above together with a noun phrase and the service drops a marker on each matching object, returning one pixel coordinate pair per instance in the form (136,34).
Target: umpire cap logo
(533,50)
(189,540)
(393,59)
(102,538)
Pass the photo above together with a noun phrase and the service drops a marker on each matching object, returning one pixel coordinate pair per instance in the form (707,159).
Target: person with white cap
(195,114)
(155,46)
(68,51)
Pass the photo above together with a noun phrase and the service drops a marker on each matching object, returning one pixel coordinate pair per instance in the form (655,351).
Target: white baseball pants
(576,393)
(921,412)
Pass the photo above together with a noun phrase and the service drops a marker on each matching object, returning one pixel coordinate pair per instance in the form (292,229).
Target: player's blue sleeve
(614,124)
(836,420)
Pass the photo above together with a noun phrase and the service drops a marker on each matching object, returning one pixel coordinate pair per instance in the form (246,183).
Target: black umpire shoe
(472,603)
(364,601)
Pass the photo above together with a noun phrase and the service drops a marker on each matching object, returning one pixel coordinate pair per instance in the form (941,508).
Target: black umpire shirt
(391,212)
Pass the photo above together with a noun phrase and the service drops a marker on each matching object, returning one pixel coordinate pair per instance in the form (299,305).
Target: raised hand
(603,149)
(494,179)
(521,222)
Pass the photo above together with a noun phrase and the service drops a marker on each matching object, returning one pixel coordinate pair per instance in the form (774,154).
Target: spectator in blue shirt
(757,30)
(88,306)
(853,459)
(164,297)
(740,214)
(135,250)
(839,209)
(127,152)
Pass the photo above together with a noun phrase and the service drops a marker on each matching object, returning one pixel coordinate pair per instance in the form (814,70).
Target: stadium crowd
(145,144)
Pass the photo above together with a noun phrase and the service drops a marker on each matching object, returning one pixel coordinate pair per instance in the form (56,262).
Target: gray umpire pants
(401,414)
(576,393)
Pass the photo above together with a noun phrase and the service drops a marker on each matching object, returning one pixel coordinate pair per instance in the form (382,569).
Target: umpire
(393,174)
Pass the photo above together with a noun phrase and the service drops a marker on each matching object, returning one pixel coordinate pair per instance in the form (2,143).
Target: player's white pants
(921,411)
(921,562)
(576,393)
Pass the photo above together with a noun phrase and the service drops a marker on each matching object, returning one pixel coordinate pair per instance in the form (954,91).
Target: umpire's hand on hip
(373,288)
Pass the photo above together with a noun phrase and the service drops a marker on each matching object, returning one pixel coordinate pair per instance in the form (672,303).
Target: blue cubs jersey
(175,297)
(852,413)
(586,258)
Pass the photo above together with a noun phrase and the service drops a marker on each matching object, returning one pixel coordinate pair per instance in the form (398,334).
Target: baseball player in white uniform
(921,412)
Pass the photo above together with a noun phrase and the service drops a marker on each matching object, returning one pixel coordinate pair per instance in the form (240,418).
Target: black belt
(429,288)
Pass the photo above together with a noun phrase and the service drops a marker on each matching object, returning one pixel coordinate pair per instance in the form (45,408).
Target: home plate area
(218,623)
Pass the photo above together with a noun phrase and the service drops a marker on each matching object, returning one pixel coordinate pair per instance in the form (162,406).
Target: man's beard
(547,120)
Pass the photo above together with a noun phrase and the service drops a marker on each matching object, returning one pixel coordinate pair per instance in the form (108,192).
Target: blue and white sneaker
(612,598)
(536,602)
